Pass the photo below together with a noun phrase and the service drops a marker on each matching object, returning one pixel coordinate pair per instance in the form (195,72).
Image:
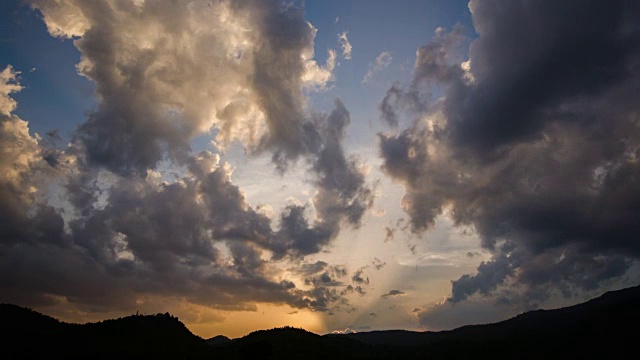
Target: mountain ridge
(596,328)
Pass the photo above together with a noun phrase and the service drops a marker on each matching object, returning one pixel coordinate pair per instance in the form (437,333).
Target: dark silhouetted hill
(218,340)
(30,335)
(604,327)
(292,343)
(600,328)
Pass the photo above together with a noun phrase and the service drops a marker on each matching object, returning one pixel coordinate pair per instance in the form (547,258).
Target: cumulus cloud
(166,72)
(136,244)
(381,62)
(8,85)
(22,170)
(534,143)
(241,70)
(345,45)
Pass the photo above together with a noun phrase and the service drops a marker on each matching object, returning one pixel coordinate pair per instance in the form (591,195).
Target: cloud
(570,59)
(389,234)
(381,62)
(342,196)
(392,293)
(137,244)
(533,143)
(159,238)
(308,269)
(8,85)
(378,264)
(436,63)
(345,45)
(155,97)
(357,277)
(99,224)
(22,172)
(354,289)
(327,277)
(490,275)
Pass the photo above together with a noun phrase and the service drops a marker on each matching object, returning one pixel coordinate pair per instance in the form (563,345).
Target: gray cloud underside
(536,144)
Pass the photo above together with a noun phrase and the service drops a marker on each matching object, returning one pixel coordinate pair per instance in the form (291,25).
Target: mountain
(218,340)
(30,335)
(601,328)
(291,343)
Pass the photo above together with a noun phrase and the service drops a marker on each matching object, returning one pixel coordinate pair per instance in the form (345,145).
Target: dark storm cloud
(532,57)
(490,275)
(536,144)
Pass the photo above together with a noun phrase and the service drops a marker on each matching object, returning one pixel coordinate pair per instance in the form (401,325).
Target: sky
(330,165)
